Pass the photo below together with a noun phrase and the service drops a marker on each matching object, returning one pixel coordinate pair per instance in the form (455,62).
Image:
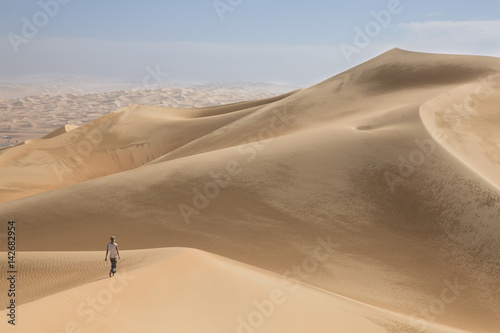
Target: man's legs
(113,265)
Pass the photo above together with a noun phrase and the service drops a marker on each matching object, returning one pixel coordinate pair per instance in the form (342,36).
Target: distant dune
(32,109)
(374,194)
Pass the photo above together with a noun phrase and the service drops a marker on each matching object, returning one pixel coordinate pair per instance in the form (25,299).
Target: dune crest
(225,295)
(465,120)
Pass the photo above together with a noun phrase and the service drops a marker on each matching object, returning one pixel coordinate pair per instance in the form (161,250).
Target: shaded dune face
(399,75)
(391,166)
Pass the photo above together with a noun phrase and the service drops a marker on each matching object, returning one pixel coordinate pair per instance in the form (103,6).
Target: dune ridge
(364,162)
(234,298)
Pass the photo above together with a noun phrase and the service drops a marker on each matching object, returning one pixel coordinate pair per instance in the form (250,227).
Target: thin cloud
(462,37)
(464,30)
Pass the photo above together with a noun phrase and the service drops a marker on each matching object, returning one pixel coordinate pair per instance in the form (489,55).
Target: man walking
(114,255)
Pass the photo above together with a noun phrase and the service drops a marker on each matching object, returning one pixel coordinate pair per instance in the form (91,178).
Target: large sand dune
(192,291)
(376,190)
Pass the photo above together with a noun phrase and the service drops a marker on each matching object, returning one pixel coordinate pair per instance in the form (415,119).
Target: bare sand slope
(359,164)
(467,120)
(45,273)
(122,140)
(192,291)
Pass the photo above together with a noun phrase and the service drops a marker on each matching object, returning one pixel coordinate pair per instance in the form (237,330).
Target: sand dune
(367,164)
(32,113)
(224,295)
(122,140)
(467,118)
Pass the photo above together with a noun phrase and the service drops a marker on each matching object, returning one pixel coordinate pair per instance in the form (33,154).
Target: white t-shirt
(112,250)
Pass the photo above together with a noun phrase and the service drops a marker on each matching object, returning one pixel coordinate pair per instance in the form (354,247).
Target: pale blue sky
(299,42)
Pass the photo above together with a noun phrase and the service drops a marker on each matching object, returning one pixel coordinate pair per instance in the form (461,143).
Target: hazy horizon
(212,41)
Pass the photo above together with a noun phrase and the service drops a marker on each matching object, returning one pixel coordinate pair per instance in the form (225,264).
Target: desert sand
(31,110)
(366,203)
